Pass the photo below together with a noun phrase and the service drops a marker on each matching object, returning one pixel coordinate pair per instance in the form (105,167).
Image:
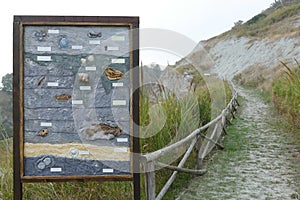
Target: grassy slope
(271,23)
(282,88)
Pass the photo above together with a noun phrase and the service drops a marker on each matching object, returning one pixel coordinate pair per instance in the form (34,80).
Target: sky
(195,19)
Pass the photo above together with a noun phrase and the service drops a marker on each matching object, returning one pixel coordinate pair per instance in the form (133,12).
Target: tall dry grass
(166,118)
(286,93)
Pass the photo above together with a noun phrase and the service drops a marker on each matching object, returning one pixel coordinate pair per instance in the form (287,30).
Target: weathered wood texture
(150,180)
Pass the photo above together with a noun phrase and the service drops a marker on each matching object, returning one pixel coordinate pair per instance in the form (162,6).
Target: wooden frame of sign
(76,101)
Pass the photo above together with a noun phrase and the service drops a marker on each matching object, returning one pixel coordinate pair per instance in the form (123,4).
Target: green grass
(170,119)
(261,24)
(6,169)
(5,115)
(286,94)
(166,121)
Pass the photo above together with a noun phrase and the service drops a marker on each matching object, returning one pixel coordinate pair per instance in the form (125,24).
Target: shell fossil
(44,162)
(102,131)
(113,74)
(43,132)
(94,35)
(40,35)
(64,42)
(83,77)
(41,80)
(63,97)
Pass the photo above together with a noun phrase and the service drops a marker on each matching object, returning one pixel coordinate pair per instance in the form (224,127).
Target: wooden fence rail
(204,144)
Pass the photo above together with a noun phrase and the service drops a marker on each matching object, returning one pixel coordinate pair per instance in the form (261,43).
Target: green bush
(256,18)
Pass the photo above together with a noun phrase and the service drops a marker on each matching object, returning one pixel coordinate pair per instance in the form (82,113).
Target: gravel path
(259,161)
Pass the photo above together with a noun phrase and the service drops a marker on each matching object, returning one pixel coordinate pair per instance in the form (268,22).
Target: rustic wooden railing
(204,144)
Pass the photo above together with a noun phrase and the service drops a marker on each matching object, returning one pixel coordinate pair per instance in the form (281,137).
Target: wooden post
(236,101)
(228,121)
(232,113)
(199,158)
(17,112)
(150,180)
(179,167)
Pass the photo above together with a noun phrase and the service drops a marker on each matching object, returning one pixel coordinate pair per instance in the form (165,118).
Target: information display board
(75,97)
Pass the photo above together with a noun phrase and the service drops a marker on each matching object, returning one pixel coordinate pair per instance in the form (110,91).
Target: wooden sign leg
(17,178)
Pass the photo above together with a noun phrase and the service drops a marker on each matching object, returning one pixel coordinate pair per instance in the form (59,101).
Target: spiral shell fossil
(64,42)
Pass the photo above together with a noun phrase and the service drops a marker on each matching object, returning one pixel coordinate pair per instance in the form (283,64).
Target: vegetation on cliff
(286,94)
(271,22)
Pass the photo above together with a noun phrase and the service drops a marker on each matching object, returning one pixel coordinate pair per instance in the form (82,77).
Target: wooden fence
(203,143)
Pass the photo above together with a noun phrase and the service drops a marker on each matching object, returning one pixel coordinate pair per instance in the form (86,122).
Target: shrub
(256,18)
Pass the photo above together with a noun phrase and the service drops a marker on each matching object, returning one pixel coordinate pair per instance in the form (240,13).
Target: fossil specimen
(41,80)
(83,77)
(40,35)
(94,35)
(63,97)
(113,74)
(44,162)
(43,132)
(102,131)
(64,42)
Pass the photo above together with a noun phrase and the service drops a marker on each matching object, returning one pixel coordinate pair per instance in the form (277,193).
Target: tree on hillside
(7,82)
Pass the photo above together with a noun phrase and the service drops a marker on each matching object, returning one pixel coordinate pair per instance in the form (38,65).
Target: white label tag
(77,47)
(51,31)
(108,170)
(55,169)
(43,58)
(118,38)
(52,84)
(43,48)
(94,42)
(90,68)
(119,102)
(122,139)
(83,152)
(77,102)
(47,124)
(118,60)
(85,88)
(118,84)
(112,48)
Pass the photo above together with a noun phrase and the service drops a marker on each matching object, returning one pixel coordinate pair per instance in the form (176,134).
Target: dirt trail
(259,161)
